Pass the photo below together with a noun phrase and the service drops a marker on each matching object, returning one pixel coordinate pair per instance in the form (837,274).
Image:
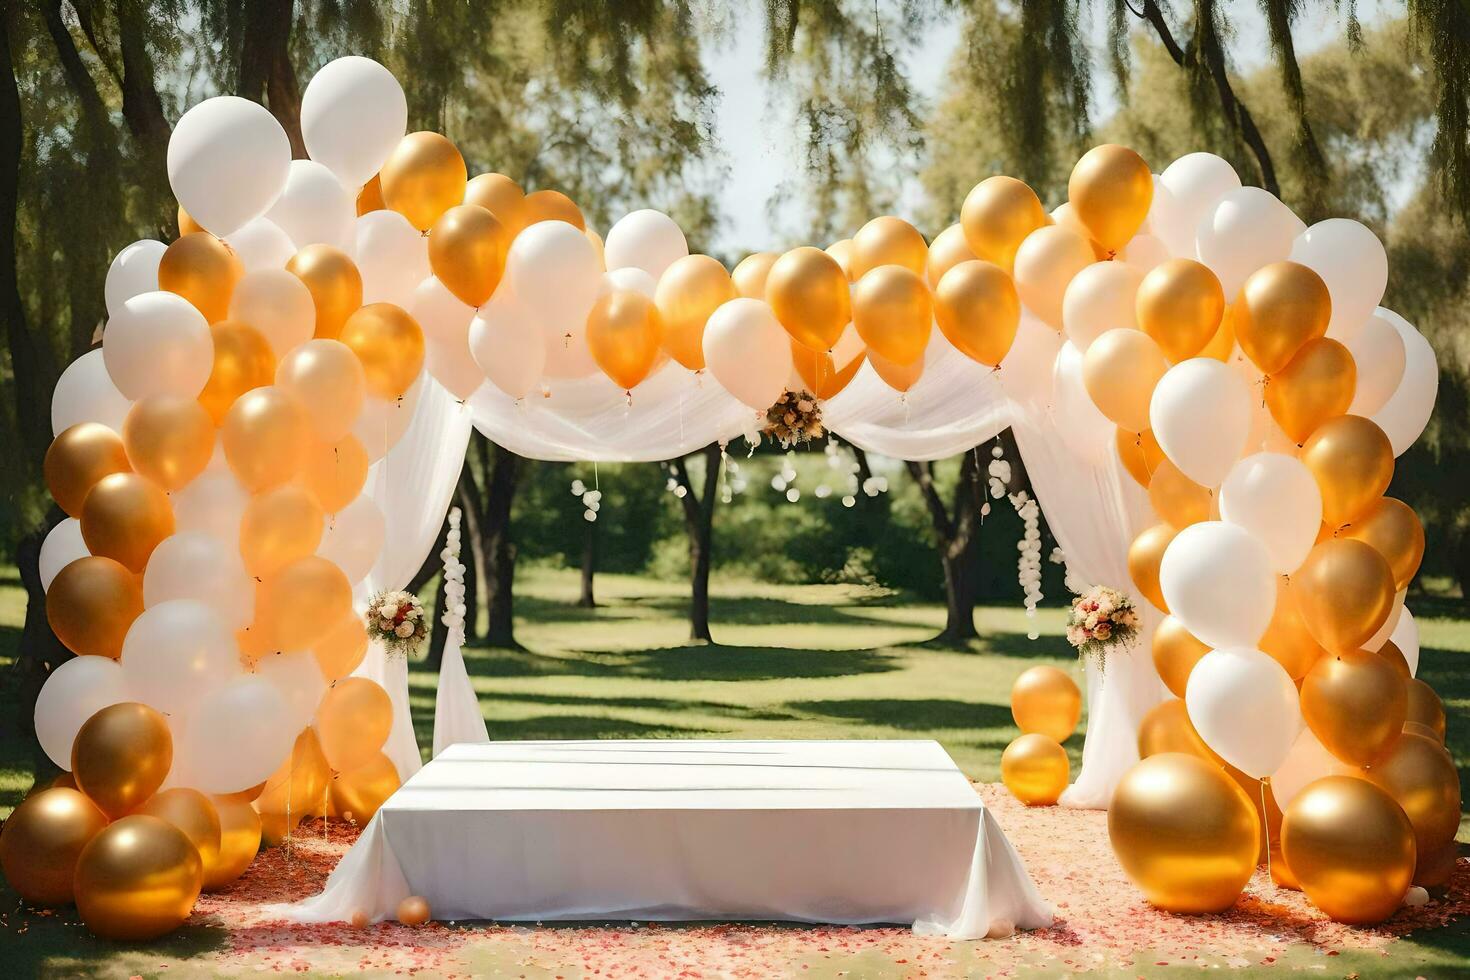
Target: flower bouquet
(397,620)
(1101,619)
(796,417)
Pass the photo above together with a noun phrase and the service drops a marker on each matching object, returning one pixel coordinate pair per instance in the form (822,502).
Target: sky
(760,149)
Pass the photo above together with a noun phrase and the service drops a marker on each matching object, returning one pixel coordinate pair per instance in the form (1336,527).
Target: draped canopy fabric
(1092,508)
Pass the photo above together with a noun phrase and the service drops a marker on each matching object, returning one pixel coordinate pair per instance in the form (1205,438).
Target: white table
(843,832)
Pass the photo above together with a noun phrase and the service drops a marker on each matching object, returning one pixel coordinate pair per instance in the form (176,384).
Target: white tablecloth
(844,832)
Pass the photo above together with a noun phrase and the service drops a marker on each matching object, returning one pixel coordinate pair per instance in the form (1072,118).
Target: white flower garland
(454,604)
(591,500)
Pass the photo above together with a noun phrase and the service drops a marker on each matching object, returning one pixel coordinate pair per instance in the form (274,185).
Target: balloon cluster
(1046,706)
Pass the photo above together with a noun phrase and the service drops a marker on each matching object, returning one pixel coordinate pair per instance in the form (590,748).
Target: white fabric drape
(457,716)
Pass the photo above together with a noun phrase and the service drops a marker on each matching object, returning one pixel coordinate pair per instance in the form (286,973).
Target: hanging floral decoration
(795,418)
(396,619)
(1101,618)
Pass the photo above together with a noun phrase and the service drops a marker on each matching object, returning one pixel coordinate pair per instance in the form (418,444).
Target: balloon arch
(1207,396)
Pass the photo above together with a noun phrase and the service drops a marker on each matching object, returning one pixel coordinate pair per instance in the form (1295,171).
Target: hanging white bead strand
(454,605)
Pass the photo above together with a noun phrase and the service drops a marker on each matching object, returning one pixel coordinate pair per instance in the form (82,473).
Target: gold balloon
(1144,556)
(193,813)
(91,604)
(688,292)
(998,214)
(1354,703)
(751,274)
(819,371)
(548,205)
(296,789)
(622,335)
(1035,769)
(266,436)
(361,791)
(390,346)
(278,527)
(597,243)
(41,841)
(1167,728)
(413,911)
(186,223)
(1317,384)
(948,250)
(899,377)
(203,270)
(1390,652)
(1287,639)
(1111,189)
(342,648)
(978,310)
(893,313)
(303,601)
(243,360)
(335,473)
(1344,591)
(329,382)
(1421,777)
(467,248)
(1046,701)
(1175,652)
(1222,344)
(809,295)
(353,722)
(1394,530)
(124,518)
(1425,707)
(1351,848)
(1045,263)
(502,197)
(239,841)
(137,879)
(1434,869)
(370,198)
(841,253)
(1178,499)
(1352,461)
(121,755)
(1418,728)
(1281,307)
(1120,370)
(334,282)
(169,439)
(1140,453)
(80,457)
(887,241)
(1180,305)
(1184,832)
(422,178)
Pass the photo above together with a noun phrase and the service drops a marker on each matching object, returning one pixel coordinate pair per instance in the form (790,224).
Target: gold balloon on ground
(194,814)
(358,793)
(1046,701)
(1420,775)
(239,841)
(1035,769)
(137,879)
(41,841)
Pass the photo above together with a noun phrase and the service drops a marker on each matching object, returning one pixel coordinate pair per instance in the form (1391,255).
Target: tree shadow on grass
(910,714)
(694,662)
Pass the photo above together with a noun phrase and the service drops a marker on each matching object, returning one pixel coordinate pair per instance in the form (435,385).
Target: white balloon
(1307,762)
(1201,415)
(314,208)
(1385,632)
(134,270)
(63,545)
(198,565)
(748,351)
(1100,298)
(240,734)
(1026,371)
(1217,580)
(555,272)
(383,422)
(1352,262)
(261,244)
(85,393)
(393,258)
(1246,229)
(213,503)
(75,691)
(452,365)
(277,304)
(647,239)
(1275,497)
(629,277)
(1405,636)
(564,343)
(1406,413)
(1085,430)
(176,652)
(441,314)
(353,539)
(353,113)
(158,344)
(1244,705)
(298,680)
(507,348)
(227,162)
(1194,183)
(1380,355)
(1143,252)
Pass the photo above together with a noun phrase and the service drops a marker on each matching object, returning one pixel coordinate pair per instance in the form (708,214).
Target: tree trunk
(589,566)
(265,73)
(699,516)
(957,538)
(500,548)
(439,633)
(472,551)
